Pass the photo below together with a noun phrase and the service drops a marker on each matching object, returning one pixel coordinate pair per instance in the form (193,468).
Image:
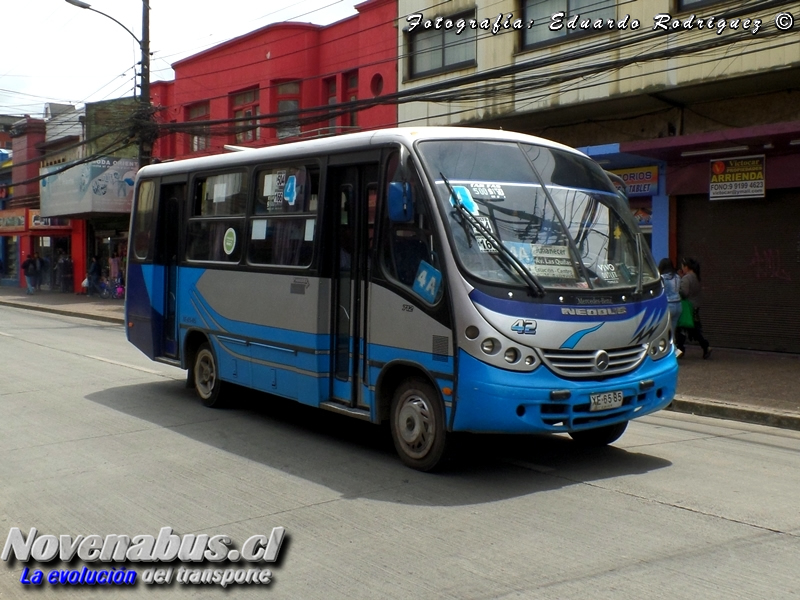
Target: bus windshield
(554,210)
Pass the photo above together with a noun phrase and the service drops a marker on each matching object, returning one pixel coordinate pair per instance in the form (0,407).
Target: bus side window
(144,219)
(406,244)
(284,216)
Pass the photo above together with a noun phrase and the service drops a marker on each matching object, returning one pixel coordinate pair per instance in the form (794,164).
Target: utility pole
(144,129)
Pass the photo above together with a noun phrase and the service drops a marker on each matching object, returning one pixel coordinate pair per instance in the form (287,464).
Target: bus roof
(341,143)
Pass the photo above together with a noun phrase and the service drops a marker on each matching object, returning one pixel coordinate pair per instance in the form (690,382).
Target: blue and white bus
(438,279)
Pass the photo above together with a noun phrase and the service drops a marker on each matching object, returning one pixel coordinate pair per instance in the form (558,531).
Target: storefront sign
(641,181)
(36,221)
(741,177)
(104,185)
(12,220)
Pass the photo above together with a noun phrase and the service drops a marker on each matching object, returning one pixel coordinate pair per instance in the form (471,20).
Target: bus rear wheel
(206,376)
(601,436)
(417,423)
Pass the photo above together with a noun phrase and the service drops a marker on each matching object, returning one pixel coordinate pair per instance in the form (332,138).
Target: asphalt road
(96,439)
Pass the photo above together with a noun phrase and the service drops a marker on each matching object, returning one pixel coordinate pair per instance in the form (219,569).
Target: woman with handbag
(691,293)
(672,282)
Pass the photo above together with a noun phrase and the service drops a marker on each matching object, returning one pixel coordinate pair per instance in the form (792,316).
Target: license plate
(605,401)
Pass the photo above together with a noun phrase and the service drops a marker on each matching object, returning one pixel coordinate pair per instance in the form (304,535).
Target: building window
(438,50)
(199,138)
(351,95)
(329,85)
(691,4)
(288,109)
(244,105)
(542,12)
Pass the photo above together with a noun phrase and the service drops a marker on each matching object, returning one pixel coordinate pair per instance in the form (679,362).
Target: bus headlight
(511,355)
(660,348)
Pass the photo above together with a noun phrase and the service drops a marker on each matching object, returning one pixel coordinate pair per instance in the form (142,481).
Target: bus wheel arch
(415,411)
(203,370)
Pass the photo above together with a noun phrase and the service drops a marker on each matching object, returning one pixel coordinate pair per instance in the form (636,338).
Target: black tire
(105,293)
(207,384)
(417,424)
(601,436)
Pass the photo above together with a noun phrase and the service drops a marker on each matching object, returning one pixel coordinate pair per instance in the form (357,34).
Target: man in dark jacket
(29,268)
(94,277)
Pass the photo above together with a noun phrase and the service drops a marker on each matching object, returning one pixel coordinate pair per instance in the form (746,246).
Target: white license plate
(605,401)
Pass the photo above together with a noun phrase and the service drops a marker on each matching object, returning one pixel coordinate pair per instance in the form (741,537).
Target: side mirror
(401,202)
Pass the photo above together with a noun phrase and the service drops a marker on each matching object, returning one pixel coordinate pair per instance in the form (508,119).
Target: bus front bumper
(491,400)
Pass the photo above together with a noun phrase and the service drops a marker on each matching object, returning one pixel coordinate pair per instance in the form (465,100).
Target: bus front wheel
(417,423)
(206,376)
(601,436)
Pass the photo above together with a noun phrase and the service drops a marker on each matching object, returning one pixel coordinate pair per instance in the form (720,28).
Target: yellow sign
(741,177)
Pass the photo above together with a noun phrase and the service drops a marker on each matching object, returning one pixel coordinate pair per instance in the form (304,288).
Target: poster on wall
(102,185)
(734,178)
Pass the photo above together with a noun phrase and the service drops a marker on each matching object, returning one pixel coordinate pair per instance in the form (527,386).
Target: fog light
(662,345)
(489,345)
(472,332)
(511,355)
(529,360)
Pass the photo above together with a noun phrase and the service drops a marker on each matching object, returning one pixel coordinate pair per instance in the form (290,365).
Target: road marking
(6,334)
(122,364)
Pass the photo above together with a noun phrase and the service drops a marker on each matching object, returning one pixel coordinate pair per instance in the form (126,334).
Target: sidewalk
(754,387)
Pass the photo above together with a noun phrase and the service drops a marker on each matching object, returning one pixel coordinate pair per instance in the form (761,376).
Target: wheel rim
(415,425)
(205,374)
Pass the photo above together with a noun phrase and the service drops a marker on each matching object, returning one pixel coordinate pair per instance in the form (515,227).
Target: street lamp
(143,129)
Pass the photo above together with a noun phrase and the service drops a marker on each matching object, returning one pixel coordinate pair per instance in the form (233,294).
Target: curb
(65,312)
(746,413)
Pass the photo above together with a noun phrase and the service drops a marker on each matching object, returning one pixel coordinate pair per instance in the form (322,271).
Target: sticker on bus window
(290,190)
(259,229)
(220,192)
(552,260)
(464,198)
(229,241)
(427,282)
(491,191)
(269,184)
(309,232)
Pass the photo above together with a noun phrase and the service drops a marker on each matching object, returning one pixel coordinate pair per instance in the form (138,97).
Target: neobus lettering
(592,312)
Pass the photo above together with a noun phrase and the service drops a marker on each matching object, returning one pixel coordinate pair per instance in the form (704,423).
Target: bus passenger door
(172,199)
(352,190)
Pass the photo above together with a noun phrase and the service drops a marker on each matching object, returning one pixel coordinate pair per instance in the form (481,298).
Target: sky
(54,52)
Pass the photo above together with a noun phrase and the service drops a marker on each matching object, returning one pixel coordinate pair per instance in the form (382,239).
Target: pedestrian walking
(113,267)
(94,277)
(66,280)
(29,268)
(59,270)
(40,266)
(672,282)
(691,290)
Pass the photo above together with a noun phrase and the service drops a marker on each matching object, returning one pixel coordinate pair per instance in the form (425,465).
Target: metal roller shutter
(749,253)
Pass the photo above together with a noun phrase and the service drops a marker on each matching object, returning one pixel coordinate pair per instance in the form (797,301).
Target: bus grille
(583,363)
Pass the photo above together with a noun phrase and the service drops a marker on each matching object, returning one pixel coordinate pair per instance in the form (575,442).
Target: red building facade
(283,82)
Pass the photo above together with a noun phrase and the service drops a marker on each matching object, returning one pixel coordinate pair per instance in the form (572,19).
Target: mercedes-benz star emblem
(601,360)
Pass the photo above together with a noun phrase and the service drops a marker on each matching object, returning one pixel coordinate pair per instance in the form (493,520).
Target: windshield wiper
(523,271)
(640,260)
